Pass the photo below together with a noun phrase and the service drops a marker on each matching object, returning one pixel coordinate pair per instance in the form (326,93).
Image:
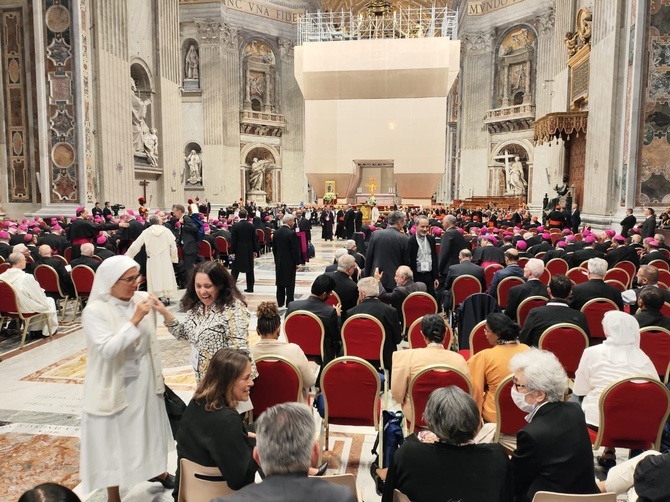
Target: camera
(116,208)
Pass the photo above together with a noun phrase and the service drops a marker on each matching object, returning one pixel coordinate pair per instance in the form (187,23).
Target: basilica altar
(383,199)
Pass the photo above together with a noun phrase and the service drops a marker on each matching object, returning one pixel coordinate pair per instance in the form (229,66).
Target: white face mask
(520,400)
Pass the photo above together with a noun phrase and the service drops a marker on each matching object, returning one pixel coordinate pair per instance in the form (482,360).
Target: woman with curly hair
(268,328)
(217,316)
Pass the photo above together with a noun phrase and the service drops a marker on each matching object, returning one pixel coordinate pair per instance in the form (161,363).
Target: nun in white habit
(125,432)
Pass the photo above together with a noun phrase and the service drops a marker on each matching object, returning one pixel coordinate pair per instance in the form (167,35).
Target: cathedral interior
(281,101)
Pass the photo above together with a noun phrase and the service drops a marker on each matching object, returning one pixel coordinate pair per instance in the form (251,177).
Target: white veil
(109,271)
(622,345)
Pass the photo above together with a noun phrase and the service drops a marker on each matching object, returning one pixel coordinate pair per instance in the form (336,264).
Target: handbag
(175,407)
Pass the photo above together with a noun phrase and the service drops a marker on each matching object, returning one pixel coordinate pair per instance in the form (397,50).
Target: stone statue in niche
(256,173)
(191,70)
(140,128)
(151,147)
(194,168)
(256,85)
(518,77)
(516,182)
(259,50)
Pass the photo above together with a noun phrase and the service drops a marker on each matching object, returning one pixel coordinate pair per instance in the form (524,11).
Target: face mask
(520,401)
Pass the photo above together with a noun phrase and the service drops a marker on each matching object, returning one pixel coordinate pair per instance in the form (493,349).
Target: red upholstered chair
(82,279)
(540,255)
(633,411)
(617,284)
(306,330)
(655,342)
(278,381)
(577,275)
(510,417)
(97,258)
(2,260)
(4,267)
(417,341)
(426,381)
(490,271)
(416,305)
(618,274)
(522,261)
(205,250)
(526,306)
(61,258)
(594,310)
(350,388)
(49,281)
(333,299)
(260,234)
(9,309)
(664,277)
(478,341)
(222,248)
(557,266)
(462,287)
(567,342)
(665,252)
(629,267)
(665,309)
(363,336)
(660,264)
(545,277)
(67,254)
(504,286)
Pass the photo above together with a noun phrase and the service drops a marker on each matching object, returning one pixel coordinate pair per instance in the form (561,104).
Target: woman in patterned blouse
(216,316)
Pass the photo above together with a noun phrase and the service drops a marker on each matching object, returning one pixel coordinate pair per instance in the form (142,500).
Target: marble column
(292,178)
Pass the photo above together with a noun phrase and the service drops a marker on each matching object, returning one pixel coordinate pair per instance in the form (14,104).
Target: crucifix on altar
(144,184)
(371,186)
(505,157)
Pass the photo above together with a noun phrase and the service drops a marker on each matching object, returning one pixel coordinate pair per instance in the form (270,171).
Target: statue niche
(515,68)
(258,64)
(191,66)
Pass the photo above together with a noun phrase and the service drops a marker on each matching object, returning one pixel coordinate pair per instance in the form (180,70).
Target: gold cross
(372,185)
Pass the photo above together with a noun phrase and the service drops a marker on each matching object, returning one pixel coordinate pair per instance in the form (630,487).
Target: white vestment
(161,254)
(31,298)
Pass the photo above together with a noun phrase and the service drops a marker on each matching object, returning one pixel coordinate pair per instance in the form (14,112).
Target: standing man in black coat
(286,250)
(349,221)
(628,223)
(387,250)
(423,255)
(187,239)
(327,219)
(451,244)
(244,249)
(575,219)
(648,228)
(82,230)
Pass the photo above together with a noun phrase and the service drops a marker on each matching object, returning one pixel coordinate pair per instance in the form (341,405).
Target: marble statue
(191,64)
(194,165)
(256,172)
(516,181)
(140,128)
(150,141)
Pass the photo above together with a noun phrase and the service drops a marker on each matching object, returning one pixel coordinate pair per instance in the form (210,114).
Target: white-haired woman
(125,433)
(617,357)
(553,451)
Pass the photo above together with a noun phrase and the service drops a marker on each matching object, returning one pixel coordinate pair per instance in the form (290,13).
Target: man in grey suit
(285,449)
(388,249)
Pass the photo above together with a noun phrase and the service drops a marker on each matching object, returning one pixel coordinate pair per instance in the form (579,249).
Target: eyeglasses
(132,279)
(518,385)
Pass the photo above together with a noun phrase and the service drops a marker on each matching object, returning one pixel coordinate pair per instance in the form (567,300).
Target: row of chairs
(82,280)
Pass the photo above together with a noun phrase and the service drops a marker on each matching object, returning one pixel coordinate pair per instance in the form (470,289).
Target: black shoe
(607,461)
(167,481)
(248,290)
(322,469)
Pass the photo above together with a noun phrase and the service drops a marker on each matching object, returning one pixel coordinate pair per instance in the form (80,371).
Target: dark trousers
(427,279)
(189,261)
(285,293)
(250,277)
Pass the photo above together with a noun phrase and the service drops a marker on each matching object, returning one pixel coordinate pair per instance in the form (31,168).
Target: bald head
(45,250)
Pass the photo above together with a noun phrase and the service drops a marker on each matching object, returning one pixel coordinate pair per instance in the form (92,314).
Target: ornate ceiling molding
(478,43)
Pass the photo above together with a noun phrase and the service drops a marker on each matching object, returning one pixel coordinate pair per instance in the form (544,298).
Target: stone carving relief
(516,57)
(544,22)
(258,63)
(581,37)
(140,107)
(286,47)
(478,43)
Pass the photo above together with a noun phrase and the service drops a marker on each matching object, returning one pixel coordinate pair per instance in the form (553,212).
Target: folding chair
(198,483)
(205,250)
(49,280)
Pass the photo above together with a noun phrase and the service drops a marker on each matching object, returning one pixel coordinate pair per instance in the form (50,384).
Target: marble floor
(41,399)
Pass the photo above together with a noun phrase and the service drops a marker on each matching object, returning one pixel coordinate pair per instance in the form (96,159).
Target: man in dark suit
(648,228)
(405,285)
(621,252)
(575,219)
(646,276)
(512,269)
(345,287)
(587,252)
(322,286)
(650,301)
(101,250)
(303,225)
(556,430)
(5,247)
(628,223)
(464,267)
(244,249)
(595,287)
(451,244)
(556,311)
(423,255)
(63,275)
(83,230)
(86,257)
(187,239)
(368,290)
(349,222)
(54,239)
(487,252)
(651,251)
(387,249)
(285,451)
(532,287)
(286,250)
